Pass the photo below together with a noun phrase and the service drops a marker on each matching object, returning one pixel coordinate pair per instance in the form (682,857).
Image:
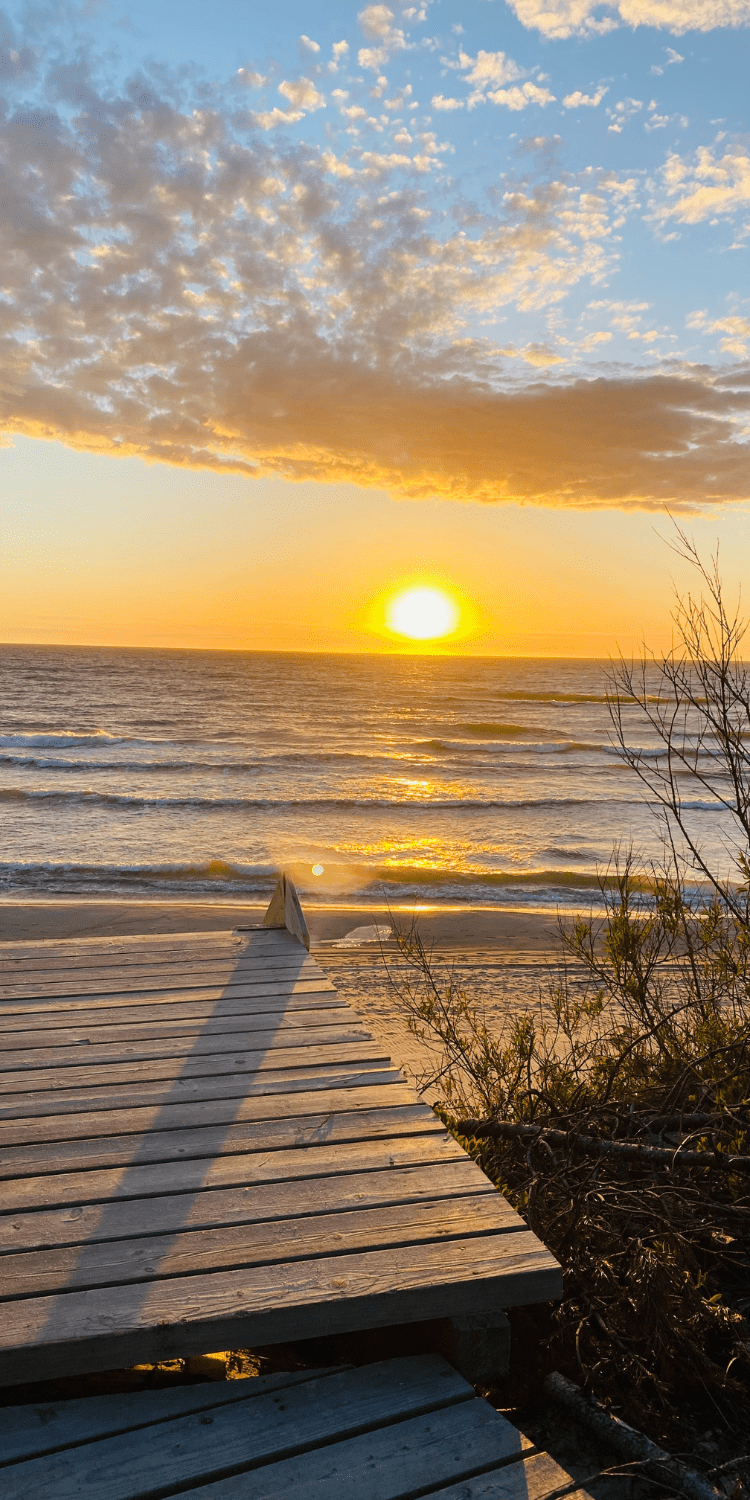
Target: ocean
(164,774)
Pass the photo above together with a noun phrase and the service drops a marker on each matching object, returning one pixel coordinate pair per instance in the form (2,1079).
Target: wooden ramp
(391,1431)
(201,1148)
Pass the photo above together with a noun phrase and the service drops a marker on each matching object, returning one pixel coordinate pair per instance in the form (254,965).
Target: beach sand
(456,928)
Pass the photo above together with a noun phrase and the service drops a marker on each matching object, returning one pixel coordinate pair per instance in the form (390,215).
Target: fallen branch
(734,1463)
(591,1145)
(635,1445)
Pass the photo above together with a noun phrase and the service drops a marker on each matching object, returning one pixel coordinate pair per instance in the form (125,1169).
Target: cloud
(489,69)
(539,355)
(308,45)
(565,18)
(703,185)
(621,112)
(178,286)
(584,101)
(438,102)
(339,51)
(302,94)
(487,73)
(520,97)
(736,329)
(377,24)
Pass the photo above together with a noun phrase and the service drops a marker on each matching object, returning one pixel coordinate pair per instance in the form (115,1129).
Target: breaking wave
(267,804)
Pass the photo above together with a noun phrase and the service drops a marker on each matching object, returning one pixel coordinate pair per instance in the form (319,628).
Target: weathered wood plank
(301,995)
(31,1431)
(142,963)
(219,1140)
(201,1038)
(534,1479)
(151,982)
(37,1134)
(207,1086)
(136,945)
(245,1199)
(248,1060)
(242,1435)
(144,953)
(213,1022)
(397,1460)
(212,1171)
(67,1006)
(216,1208)
(117,1262)
(65,975)
(115,1326)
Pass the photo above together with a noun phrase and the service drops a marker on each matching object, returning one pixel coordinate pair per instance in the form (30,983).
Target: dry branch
(633,1444)
(589,1145)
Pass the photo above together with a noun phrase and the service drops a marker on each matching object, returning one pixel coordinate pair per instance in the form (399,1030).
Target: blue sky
(475,253)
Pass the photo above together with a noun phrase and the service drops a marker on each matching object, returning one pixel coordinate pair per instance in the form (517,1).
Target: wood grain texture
(118,1262)
(172,1091)
(396,1460)
(248,1060)
(31,1431)
(312,994)
(153,982)
(91,1223)
(360,1092)
(384,1432)
(203,1042)
(154,1179)
(269,1427)
(203,1147)
(342,1124)
(533,1479)
(116,1326)
(135,946)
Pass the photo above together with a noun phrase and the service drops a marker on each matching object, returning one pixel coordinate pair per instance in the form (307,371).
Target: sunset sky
(303,302)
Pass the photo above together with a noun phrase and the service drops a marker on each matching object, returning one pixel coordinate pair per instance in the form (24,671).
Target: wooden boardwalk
(390,1431)
(202,1148)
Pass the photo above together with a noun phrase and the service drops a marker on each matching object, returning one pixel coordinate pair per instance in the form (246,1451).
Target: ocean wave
(40,763)
(519,696)
(84,878)
(222,877)
(493,731)
(90,798)
(558,746)
(61,740)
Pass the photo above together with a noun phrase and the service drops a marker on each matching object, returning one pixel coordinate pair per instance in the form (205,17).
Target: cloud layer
(564,18)
(178,285)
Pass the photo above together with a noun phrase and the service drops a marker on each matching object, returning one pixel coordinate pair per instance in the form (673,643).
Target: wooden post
(285,911)
(477,1345)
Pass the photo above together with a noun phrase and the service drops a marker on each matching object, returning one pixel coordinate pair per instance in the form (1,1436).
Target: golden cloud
(177,285)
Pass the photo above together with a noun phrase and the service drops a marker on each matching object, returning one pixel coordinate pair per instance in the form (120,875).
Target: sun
(422,614)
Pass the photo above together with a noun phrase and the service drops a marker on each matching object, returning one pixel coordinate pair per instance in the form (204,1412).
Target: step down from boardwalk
(388,1431)
(201,1147)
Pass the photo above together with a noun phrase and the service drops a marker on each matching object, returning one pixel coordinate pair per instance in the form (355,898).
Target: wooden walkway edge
(391,1431)
(201,1147)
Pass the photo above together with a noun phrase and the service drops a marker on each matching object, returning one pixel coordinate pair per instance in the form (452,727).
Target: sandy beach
(502,932)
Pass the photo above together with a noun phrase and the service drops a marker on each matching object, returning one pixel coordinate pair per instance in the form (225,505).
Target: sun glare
(422,614)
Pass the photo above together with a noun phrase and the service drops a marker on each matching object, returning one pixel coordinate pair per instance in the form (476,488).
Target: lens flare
(422,614)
